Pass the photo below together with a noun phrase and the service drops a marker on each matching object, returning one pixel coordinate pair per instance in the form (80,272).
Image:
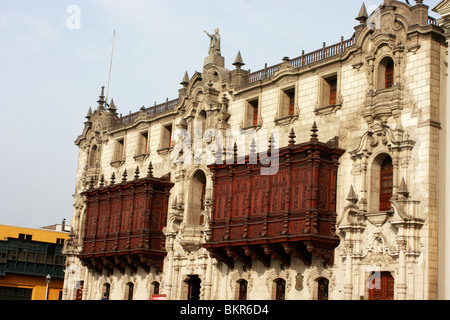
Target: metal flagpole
(110,66)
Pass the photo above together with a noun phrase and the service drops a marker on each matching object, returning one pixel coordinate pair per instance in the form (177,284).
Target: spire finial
(112,107)
(136,173)
(314,135)
(253,147)
(113,178)
(403,189)
(101,100)
(102,181)
(91,183)
(292,138)
(218,155)
(89,114)
(238,62)
(150,170)
(362,15)
(271,145)
(185,80)
(124,176)
(352,196)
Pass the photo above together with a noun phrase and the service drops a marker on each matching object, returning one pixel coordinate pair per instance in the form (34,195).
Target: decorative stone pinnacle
(150,170)
(89,114)
(102,181)
(362,15)
(314,133)
(91,183)
(101,101)
(253,147)
(403,189)
(271,145)
(112,107)
(292,138)
(185,80)
(352,195)
(238,62)
(136,173)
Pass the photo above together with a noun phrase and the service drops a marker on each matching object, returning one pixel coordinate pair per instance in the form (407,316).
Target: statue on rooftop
(214,47)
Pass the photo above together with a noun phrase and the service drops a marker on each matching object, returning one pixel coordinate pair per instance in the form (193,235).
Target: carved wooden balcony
(287,214)
(124,223)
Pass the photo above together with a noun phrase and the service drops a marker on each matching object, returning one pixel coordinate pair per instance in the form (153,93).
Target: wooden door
(383,288)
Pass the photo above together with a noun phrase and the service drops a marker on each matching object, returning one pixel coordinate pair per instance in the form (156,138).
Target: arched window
(386,183)
(202,119)
(385,73)
(280,289)
(193,287)
(242,286)
(196,198)
(389,74)
(129,291)
(92,156)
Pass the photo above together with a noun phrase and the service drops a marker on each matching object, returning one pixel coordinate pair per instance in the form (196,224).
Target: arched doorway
(280,289)
(322,289)
(193,286)
(242,287)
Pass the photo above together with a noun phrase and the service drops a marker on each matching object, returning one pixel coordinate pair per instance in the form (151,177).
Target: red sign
(158,297)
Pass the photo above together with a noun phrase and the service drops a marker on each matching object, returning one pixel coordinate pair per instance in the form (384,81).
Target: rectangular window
(143,143)
(25,236)
(167,136)
(287,102)
(330,90)
(118,152)
(252,112)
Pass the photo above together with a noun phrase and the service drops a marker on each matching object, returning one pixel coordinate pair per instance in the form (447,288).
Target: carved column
(169,275)
(401,284)
(363,198)
(208,283)
(348,286)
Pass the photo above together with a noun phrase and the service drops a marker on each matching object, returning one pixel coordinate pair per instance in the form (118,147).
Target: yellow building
(27,256)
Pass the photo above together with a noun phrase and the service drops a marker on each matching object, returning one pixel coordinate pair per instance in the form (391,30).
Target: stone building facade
(362,120)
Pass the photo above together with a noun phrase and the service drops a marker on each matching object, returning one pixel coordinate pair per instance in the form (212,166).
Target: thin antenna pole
(110,66)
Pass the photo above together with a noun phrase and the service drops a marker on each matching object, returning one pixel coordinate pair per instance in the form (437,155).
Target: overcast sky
(55,56)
